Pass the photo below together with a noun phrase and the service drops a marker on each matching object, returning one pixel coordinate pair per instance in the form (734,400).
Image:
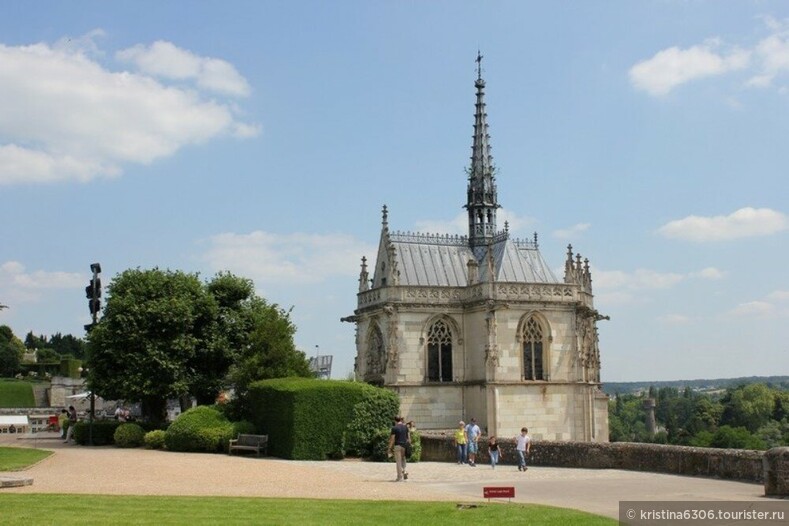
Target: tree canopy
(11,349)
(165,334)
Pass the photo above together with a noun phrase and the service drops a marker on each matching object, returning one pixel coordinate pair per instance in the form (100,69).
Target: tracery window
(532,350)
(439,352)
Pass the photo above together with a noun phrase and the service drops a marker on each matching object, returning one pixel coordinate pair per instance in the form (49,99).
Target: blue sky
(264,137)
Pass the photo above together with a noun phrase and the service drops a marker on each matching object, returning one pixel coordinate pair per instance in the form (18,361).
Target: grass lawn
(122,509)
(16,458)
(16,393)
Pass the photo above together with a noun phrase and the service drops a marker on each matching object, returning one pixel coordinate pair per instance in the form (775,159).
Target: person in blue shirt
(473,433)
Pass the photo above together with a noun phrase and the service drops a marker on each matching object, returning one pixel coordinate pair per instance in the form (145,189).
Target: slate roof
(427,260)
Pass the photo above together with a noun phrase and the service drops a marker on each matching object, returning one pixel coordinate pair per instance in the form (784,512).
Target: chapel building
(479,325)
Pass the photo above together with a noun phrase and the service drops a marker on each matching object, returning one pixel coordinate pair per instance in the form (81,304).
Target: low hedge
(129,435)
(309,419)
(103,432)
(154,439)
(200,429)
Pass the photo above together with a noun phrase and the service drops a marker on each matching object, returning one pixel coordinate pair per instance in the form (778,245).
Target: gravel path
(114,471)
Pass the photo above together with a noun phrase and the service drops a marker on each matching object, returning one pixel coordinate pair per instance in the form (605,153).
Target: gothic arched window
(439,352)
(532,338)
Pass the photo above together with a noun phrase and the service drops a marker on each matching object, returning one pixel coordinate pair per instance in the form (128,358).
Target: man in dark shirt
(397,443)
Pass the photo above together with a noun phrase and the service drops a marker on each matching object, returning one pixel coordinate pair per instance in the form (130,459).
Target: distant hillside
(780,382)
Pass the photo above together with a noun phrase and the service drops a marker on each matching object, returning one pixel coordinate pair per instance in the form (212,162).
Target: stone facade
(478,325)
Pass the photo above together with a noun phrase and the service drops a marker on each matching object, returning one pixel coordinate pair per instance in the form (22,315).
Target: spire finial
(479,65)
(385,217)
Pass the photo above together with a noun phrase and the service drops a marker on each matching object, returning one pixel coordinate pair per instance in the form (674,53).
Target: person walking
(72,421)
(460,442)
(494,452)
(472,436)
(522,446)
(398,440)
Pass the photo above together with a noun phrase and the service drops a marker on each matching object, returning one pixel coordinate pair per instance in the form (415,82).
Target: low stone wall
(732,464)
(776,472)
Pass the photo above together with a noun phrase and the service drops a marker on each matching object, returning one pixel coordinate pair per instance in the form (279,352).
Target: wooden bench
(256,443)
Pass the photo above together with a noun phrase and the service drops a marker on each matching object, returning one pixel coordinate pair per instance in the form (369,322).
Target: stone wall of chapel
(601,416)
(560,366)
(431,407)
(475,339)
(550,411)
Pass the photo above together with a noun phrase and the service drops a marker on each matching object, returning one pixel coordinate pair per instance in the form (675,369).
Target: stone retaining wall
(732,464)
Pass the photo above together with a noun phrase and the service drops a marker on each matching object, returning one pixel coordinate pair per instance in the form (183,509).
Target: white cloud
(779,295)
(166,60)
(65,117)
(745,222)
(622,288)
(641,279)
(673,67)
(774,305)
(758,309)
(17,285)
(710,273)
(674,319)
(297,259)
(572,232)
(457,225)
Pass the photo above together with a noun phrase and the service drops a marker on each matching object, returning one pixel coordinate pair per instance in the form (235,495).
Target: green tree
(750,406)
(35,342)
(11,350)
(736,438)
(149,344)
(66,344)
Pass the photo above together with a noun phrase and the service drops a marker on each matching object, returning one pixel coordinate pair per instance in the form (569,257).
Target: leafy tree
(737,438)
(148,345)
(11,350)
(165,334)
(67,344)
(749,406)
(35,342)
(47,355)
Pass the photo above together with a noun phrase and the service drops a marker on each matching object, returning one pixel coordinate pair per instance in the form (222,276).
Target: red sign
(501,492)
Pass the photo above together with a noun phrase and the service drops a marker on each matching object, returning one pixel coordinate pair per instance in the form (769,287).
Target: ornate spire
(482,199)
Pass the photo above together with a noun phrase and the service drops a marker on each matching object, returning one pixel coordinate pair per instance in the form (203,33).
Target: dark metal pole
(96,268)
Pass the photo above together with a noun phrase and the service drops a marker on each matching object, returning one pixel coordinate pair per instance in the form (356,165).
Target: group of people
(467,437)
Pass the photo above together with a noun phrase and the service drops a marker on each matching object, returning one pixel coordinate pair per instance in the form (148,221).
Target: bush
(200,429)
(306,419)
(243,427)
(154,439)
(373,414)
(103,432)
(129,435)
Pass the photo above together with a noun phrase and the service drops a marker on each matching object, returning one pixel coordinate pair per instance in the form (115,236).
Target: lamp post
(91,410)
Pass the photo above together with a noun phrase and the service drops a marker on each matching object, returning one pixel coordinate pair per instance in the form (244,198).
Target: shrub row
(309,419)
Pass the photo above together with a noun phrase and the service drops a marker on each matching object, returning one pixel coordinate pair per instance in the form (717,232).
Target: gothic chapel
(479,325)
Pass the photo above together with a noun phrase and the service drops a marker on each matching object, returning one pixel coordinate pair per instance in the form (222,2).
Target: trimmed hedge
(129,435)
(154,439)
(103,432)
(370,416)
(306,419)
(200,429)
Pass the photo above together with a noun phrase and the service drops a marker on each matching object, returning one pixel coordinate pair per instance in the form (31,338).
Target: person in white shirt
(523,445)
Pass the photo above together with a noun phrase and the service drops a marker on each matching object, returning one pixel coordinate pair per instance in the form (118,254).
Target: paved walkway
(111,470)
